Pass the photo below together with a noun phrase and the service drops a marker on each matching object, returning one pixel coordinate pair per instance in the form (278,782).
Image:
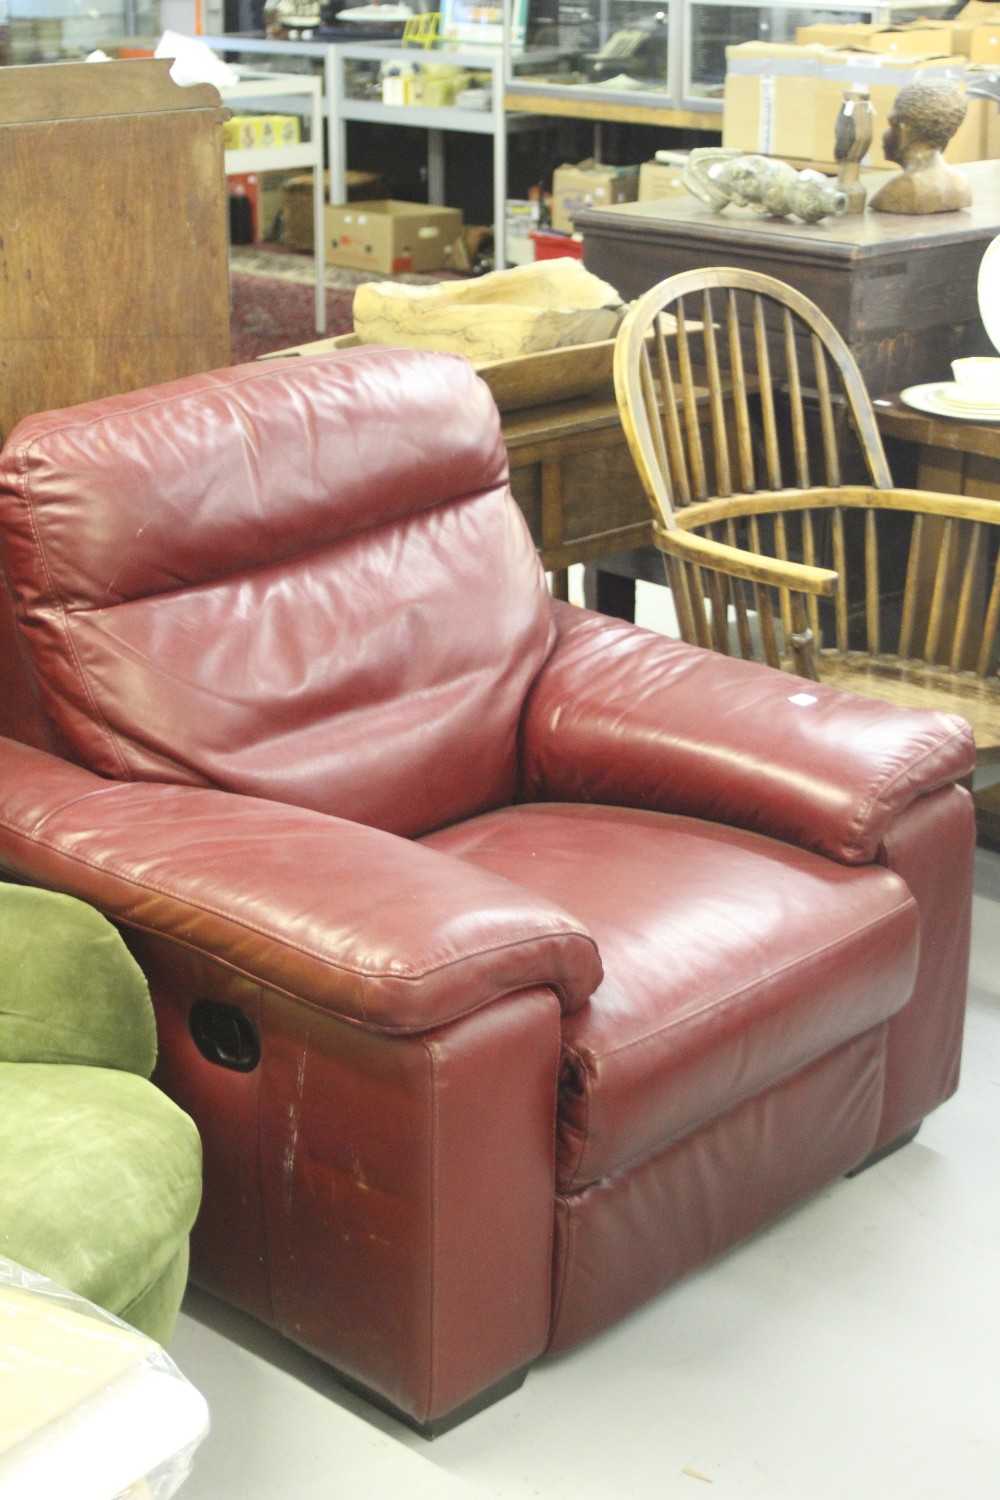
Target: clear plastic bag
(89,1407)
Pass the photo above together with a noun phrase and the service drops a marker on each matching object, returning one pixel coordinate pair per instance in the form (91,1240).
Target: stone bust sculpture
(924,118)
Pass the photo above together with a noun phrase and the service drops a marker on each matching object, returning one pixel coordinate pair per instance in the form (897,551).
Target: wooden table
(900,288)
(951,454)
(573,476)
(958,458)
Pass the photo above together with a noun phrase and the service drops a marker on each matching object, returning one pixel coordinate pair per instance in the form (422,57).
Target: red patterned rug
(266,314)
(272,299)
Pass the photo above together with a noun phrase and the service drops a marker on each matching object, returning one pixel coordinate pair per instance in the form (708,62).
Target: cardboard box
(984,45)
(916,39)
(388,236)
(991,131)
(976,11)
(436,85)
(552,246)
(258,132)
(588,185)
(297,203)
(660,179)
(783,100)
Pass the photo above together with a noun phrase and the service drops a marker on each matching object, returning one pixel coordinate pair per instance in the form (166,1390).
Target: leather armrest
(355,921)
(620,715)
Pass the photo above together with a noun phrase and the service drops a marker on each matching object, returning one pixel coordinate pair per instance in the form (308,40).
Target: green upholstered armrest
(70,991)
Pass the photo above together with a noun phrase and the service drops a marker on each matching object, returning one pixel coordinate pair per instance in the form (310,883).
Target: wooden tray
(527,380)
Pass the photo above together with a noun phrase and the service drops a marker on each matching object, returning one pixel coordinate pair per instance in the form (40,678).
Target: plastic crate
(549,245)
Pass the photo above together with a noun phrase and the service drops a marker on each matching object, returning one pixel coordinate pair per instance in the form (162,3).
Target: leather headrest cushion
(181,483)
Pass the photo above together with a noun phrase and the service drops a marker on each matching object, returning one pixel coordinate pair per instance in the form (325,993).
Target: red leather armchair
(511,960)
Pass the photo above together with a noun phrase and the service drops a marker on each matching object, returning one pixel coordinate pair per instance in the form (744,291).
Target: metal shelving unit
(495,121)
(331,58)
(285,92)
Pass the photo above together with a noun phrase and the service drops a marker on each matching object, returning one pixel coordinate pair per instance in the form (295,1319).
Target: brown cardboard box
(853,34)
(783,100)
(991,143)
(297,203)
(991,131)
(984,45)
(976,11)
(589,185)
(916,39)
(660,179)
(386,235)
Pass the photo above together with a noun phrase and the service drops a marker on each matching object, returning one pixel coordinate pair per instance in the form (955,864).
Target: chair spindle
(911,589)
(828,427)
(809,558)
(765,618)
(766,396)
(800,444)
(941,592)
(985,664)
(671,421)
(689,404)
(873,596)
(720,438)
(741,406)
(961,641)
(739,603)
(840,568)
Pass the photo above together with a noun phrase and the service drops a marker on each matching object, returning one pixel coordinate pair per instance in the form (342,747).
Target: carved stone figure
(924,118)
(720,176)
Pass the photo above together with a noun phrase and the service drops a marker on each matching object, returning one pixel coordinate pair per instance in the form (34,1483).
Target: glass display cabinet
(593,50)
(57,30)
(710,26)
(635,59)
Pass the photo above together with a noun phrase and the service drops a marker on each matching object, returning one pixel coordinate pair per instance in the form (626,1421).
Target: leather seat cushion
(731,961)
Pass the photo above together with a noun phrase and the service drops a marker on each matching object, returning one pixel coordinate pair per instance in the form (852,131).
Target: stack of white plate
(945,398)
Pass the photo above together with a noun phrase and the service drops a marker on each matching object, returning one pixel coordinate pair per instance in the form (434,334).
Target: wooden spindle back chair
(783,536)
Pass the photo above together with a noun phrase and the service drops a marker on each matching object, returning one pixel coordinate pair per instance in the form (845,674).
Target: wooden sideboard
(113,247)
(900,288)
(113,243)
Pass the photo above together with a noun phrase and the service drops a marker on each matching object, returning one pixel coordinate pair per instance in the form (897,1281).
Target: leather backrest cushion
(303,579)
(21,717)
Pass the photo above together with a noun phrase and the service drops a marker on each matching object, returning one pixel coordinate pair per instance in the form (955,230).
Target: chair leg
(889,1149)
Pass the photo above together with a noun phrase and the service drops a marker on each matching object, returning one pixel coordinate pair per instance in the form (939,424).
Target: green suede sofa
(100,1173)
